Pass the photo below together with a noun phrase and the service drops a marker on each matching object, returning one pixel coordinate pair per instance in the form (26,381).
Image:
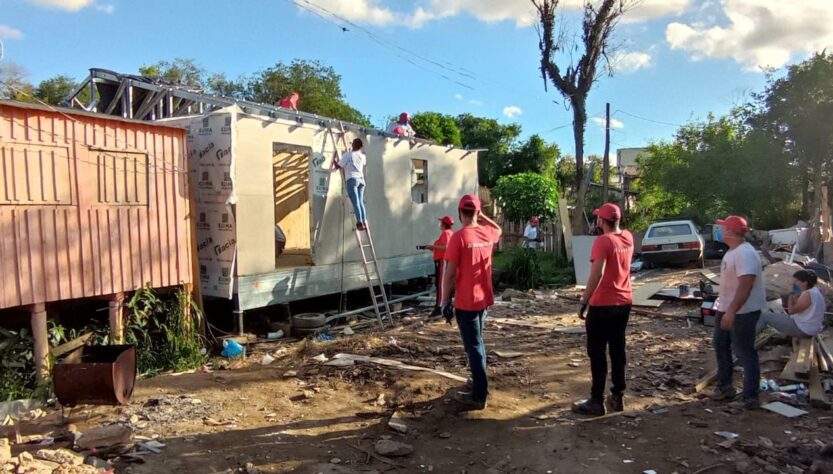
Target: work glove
(582,308)
(448,313)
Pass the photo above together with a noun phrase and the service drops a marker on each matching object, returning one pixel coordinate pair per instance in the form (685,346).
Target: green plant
(17,378)
(527,194)
(165,337)
(527,268)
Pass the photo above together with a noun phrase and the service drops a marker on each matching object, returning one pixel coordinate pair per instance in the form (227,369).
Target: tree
(575,81)
(534,155)
(796,110)
(318,85)
(526,194)
(218,84)
(437,127)
(54,90)
(13,83)
(497,139)
(182,71)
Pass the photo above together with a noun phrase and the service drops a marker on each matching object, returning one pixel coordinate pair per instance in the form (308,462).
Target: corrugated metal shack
(90,206)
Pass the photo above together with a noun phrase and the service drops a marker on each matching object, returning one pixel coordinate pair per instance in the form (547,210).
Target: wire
(647,119)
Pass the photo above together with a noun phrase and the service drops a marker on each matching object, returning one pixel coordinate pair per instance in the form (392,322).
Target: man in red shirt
(468,271)
(438,247)
(609,296)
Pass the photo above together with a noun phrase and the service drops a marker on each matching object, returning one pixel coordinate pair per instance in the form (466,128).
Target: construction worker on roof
(402,127)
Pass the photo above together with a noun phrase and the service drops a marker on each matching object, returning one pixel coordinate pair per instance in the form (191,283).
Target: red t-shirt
(615,286)
(471,249)
(443,239)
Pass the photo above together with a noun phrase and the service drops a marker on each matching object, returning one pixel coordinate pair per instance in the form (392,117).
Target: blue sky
(677,60)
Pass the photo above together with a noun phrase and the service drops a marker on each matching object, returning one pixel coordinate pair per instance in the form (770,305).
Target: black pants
(606,333)
(438,274)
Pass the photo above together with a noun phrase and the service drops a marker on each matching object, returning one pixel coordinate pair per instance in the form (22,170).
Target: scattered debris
(508,354)
(320,358)
(105,436)
(390,448)
(784,410)
(397,423)
(343,360)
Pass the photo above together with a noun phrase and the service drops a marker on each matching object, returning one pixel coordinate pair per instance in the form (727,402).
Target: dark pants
(741,339)
(471,329)
(606,333)
(438,274)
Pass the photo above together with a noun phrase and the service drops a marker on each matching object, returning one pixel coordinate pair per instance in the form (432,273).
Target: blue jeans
(471,329)
(742,339)
(355,191)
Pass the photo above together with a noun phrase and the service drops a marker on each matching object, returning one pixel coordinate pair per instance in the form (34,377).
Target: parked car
(672,242)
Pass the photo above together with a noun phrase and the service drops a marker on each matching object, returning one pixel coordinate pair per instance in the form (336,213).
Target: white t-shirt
(353,163)
(811,320)
(530,233)
(405,129)
(739,262)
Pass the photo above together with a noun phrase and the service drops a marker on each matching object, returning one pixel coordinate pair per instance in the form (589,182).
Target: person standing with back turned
(742,297)
(608,295)
(468,271)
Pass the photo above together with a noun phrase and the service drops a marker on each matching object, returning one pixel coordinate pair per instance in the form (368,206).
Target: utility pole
(605,158)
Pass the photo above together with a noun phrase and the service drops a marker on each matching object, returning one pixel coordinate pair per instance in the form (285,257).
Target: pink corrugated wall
(89,206)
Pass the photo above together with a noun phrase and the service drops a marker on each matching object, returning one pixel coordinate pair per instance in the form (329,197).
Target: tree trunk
(579,122)
(817,180)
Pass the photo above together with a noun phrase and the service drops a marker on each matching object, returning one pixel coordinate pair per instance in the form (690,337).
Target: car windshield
(674,230)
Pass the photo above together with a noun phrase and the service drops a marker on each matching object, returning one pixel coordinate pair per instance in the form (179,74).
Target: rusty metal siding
(89,206)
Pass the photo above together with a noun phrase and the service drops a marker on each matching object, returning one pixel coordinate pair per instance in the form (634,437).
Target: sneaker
(723,393)
(436,313)
(589,407)
(360,226)
(746,404)
(469,403)
(615,402)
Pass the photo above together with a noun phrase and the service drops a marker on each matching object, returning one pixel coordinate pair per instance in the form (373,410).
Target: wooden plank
(711,375)
(818,398)
(566,229)
(711,276)
(804,356)
(642,295)
(70,346)
(825,343)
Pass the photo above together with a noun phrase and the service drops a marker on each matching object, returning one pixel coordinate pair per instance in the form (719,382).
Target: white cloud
(600,121)
(512,111)
(106,8)
(632,61)
(8,32)
(759,33)
(521,12)
(71,5)
(458,96)
(475,102)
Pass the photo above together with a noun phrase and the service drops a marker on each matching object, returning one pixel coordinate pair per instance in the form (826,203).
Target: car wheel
(308,320)
(306,332)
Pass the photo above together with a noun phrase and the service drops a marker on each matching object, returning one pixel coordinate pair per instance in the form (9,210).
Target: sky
(675,60)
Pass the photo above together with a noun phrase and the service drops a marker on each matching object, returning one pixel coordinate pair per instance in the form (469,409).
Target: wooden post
(564,217)
(41,335)
(606,157)
(115,308)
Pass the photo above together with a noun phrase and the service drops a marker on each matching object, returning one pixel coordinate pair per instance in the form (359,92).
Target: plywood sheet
(582,244)
(642,295)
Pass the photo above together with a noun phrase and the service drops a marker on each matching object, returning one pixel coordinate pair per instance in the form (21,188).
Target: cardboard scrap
(784,410)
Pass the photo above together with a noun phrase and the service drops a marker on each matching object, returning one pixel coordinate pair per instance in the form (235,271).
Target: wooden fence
(513,232)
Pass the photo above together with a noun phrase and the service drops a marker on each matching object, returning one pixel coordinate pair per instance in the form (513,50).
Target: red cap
(608,211)
(469,201)
(404,117)
(735,224)
(533,219)
(447,220)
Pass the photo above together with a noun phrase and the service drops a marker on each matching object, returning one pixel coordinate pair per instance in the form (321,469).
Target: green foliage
(438,127)
(527,194)
(54,90)
(499,140)
(182,71)
(318,85)
(17,377)
(534,155)
(165,339)
(525,268)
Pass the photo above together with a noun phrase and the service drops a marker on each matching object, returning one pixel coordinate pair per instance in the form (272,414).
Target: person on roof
(402,127)
(290,102)
(353,164)
(438,247)
(532,237)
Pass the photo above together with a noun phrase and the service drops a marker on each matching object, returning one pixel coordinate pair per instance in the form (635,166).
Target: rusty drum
(103,375)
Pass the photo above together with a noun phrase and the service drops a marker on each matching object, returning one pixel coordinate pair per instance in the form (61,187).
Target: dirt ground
(299,415)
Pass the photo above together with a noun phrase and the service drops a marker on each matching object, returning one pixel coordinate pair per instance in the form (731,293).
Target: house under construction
(254,167)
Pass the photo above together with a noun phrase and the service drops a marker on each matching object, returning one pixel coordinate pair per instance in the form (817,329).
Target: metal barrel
(105,375)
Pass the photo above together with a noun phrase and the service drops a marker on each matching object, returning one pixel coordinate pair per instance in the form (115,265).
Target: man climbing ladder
(352,165)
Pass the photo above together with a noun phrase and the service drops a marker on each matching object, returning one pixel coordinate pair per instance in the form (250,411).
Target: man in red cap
(468,271)
(531,237)
(402,127)
(742,297)
(608,294)
(438,247)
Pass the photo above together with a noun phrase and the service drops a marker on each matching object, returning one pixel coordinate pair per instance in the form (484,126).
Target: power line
(648,120)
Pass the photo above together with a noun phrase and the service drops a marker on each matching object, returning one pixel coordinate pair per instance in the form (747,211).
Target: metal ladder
(373,275)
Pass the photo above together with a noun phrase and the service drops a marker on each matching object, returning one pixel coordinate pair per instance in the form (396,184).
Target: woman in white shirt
(806,307)
(353,163)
